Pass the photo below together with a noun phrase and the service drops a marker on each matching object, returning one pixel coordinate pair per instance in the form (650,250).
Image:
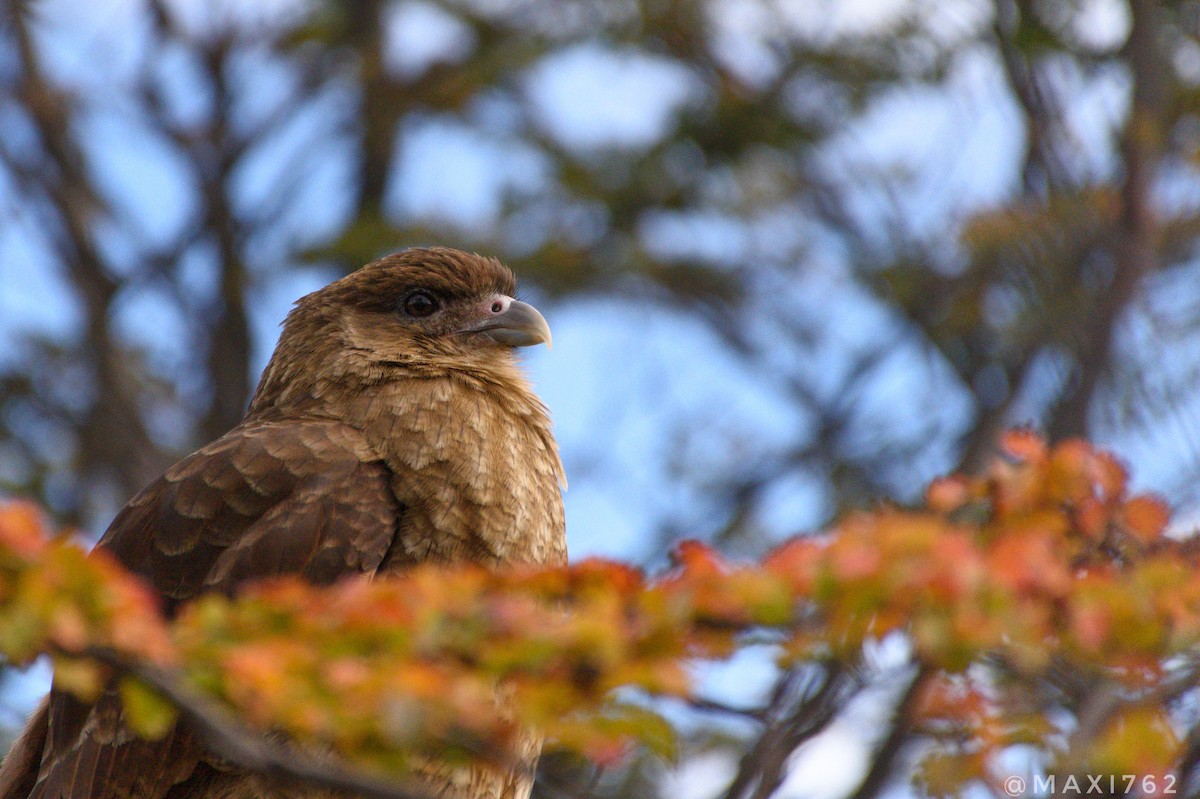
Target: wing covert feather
(266,499)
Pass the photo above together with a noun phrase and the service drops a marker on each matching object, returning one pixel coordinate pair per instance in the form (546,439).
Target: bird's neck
(319,362)
(354,387)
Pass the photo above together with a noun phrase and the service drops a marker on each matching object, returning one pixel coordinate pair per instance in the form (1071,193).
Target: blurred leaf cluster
(1043,605)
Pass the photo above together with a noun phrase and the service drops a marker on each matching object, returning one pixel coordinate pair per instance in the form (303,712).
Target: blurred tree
(733,148)
(740,206)
(895,314)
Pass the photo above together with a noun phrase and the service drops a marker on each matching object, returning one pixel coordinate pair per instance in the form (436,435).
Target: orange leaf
(1091,518)
(22,528)
(1024,445)
(698,558)
(797,562)
(1109,475)
(948,494)
(1146,517)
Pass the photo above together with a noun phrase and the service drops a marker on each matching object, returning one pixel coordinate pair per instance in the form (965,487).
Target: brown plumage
(392,426)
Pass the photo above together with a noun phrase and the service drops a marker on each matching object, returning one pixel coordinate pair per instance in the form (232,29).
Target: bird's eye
(420,304)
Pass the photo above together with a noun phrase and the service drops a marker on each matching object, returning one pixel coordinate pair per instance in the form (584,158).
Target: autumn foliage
(1012,590)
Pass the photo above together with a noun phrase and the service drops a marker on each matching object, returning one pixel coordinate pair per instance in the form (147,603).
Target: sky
(605,352)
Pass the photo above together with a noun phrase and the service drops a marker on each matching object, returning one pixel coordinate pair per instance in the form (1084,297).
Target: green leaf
(147,712)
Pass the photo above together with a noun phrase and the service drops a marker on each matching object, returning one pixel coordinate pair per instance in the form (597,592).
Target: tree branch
(113,442)
(1043,168)
(228,738)
(884,761)
(791,722)
(1134,242)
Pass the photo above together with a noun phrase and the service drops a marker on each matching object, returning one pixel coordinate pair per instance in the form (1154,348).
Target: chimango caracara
(392,426)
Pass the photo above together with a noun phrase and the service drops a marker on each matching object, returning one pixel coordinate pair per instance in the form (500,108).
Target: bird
(392,426)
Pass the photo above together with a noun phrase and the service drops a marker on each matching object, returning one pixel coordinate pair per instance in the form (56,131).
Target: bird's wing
(268,498)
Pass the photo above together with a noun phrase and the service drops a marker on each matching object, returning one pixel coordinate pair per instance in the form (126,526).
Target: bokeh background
(798,255)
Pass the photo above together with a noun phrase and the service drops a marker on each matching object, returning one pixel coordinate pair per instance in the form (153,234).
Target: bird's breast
(477,472)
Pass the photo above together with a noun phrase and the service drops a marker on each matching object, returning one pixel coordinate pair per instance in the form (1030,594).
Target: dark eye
(420,303)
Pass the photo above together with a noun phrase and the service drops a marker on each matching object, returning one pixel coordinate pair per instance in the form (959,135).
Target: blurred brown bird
(392,426)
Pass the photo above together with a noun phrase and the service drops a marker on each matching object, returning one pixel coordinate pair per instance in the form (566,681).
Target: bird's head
(432,305)
(422,311)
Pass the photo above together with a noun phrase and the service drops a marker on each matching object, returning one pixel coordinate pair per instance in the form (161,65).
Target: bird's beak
(512,323)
